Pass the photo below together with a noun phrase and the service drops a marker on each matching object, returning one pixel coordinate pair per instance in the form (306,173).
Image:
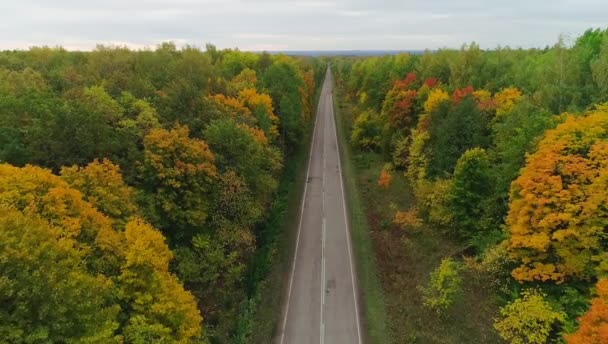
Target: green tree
(472,186)
(453,129)
(247,152)
(284,82)
(599,71)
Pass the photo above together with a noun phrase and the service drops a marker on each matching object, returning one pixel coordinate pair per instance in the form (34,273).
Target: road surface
(321,300)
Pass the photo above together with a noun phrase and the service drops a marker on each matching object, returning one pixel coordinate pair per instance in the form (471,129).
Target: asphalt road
(321,301)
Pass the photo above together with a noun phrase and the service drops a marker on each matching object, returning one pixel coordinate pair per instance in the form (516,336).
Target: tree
(179,172)
(140,116)
(160,309)
(285,83)
(260,104)
(559,85)
(452,130)
(46,292)
(417,160)
(132,265)
(213,272)
(471,187)
(514,134)
(367,131)
(528,320)
(234,108)
(38,193)
(599,70)
(234,204)
(384,180)
(400,104)
(246,79)
(586,51)
(83,131)
(247,152)
(26,107)
(557,213)
(436,96)
(506,99)
(101,184)
(466,66)
(593,325)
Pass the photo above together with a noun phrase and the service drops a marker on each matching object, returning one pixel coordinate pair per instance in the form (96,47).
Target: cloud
(296,24)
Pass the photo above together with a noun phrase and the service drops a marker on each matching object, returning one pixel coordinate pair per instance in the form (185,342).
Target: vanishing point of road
(321,300)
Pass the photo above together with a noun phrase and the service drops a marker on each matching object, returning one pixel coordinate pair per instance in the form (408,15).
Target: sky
(277,25)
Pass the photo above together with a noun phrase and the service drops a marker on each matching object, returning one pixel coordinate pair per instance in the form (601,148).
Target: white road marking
(323,229)
(352,276)
(295,256)
(322,324)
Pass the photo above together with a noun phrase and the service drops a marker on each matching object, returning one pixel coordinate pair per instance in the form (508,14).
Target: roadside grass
(393,262)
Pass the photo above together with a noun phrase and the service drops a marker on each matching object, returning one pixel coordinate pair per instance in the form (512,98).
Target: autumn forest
(483,177)
(137,190)
(151,195)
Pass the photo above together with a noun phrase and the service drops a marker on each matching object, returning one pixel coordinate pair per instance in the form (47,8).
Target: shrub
(444,287)
(367,132)
(528,320)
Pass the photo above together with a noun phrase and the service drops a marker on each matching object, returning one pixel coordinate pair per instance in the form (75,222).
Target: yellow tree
(47,294)
(38,193)
(246,79)
(436,97)
(505,99)
(101,184)
(179,171)
(132,264)
(161,310)
(260,104)
(233,108)
(558,210)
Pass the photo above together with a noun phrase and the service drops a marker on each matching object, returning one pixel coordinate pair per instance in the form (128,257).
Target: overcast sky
(296,24)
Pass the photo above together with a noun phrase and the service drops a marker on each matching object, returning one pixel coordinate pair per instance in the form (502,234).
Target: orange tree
(593,325)
(559,206)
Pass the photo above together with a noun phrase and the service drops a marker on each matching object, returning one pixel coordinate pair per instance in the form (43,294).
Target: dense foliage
(134,186)
(506,153)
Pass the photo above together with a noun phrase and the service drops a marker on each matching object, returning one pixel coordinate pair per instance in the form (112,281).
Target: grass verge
(370,287)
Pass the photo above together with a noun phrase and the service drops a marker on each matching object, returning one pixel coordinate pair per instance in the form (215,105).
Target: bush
(444,287)
(493,267)
(367,132)
(528,320)
(432,201)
